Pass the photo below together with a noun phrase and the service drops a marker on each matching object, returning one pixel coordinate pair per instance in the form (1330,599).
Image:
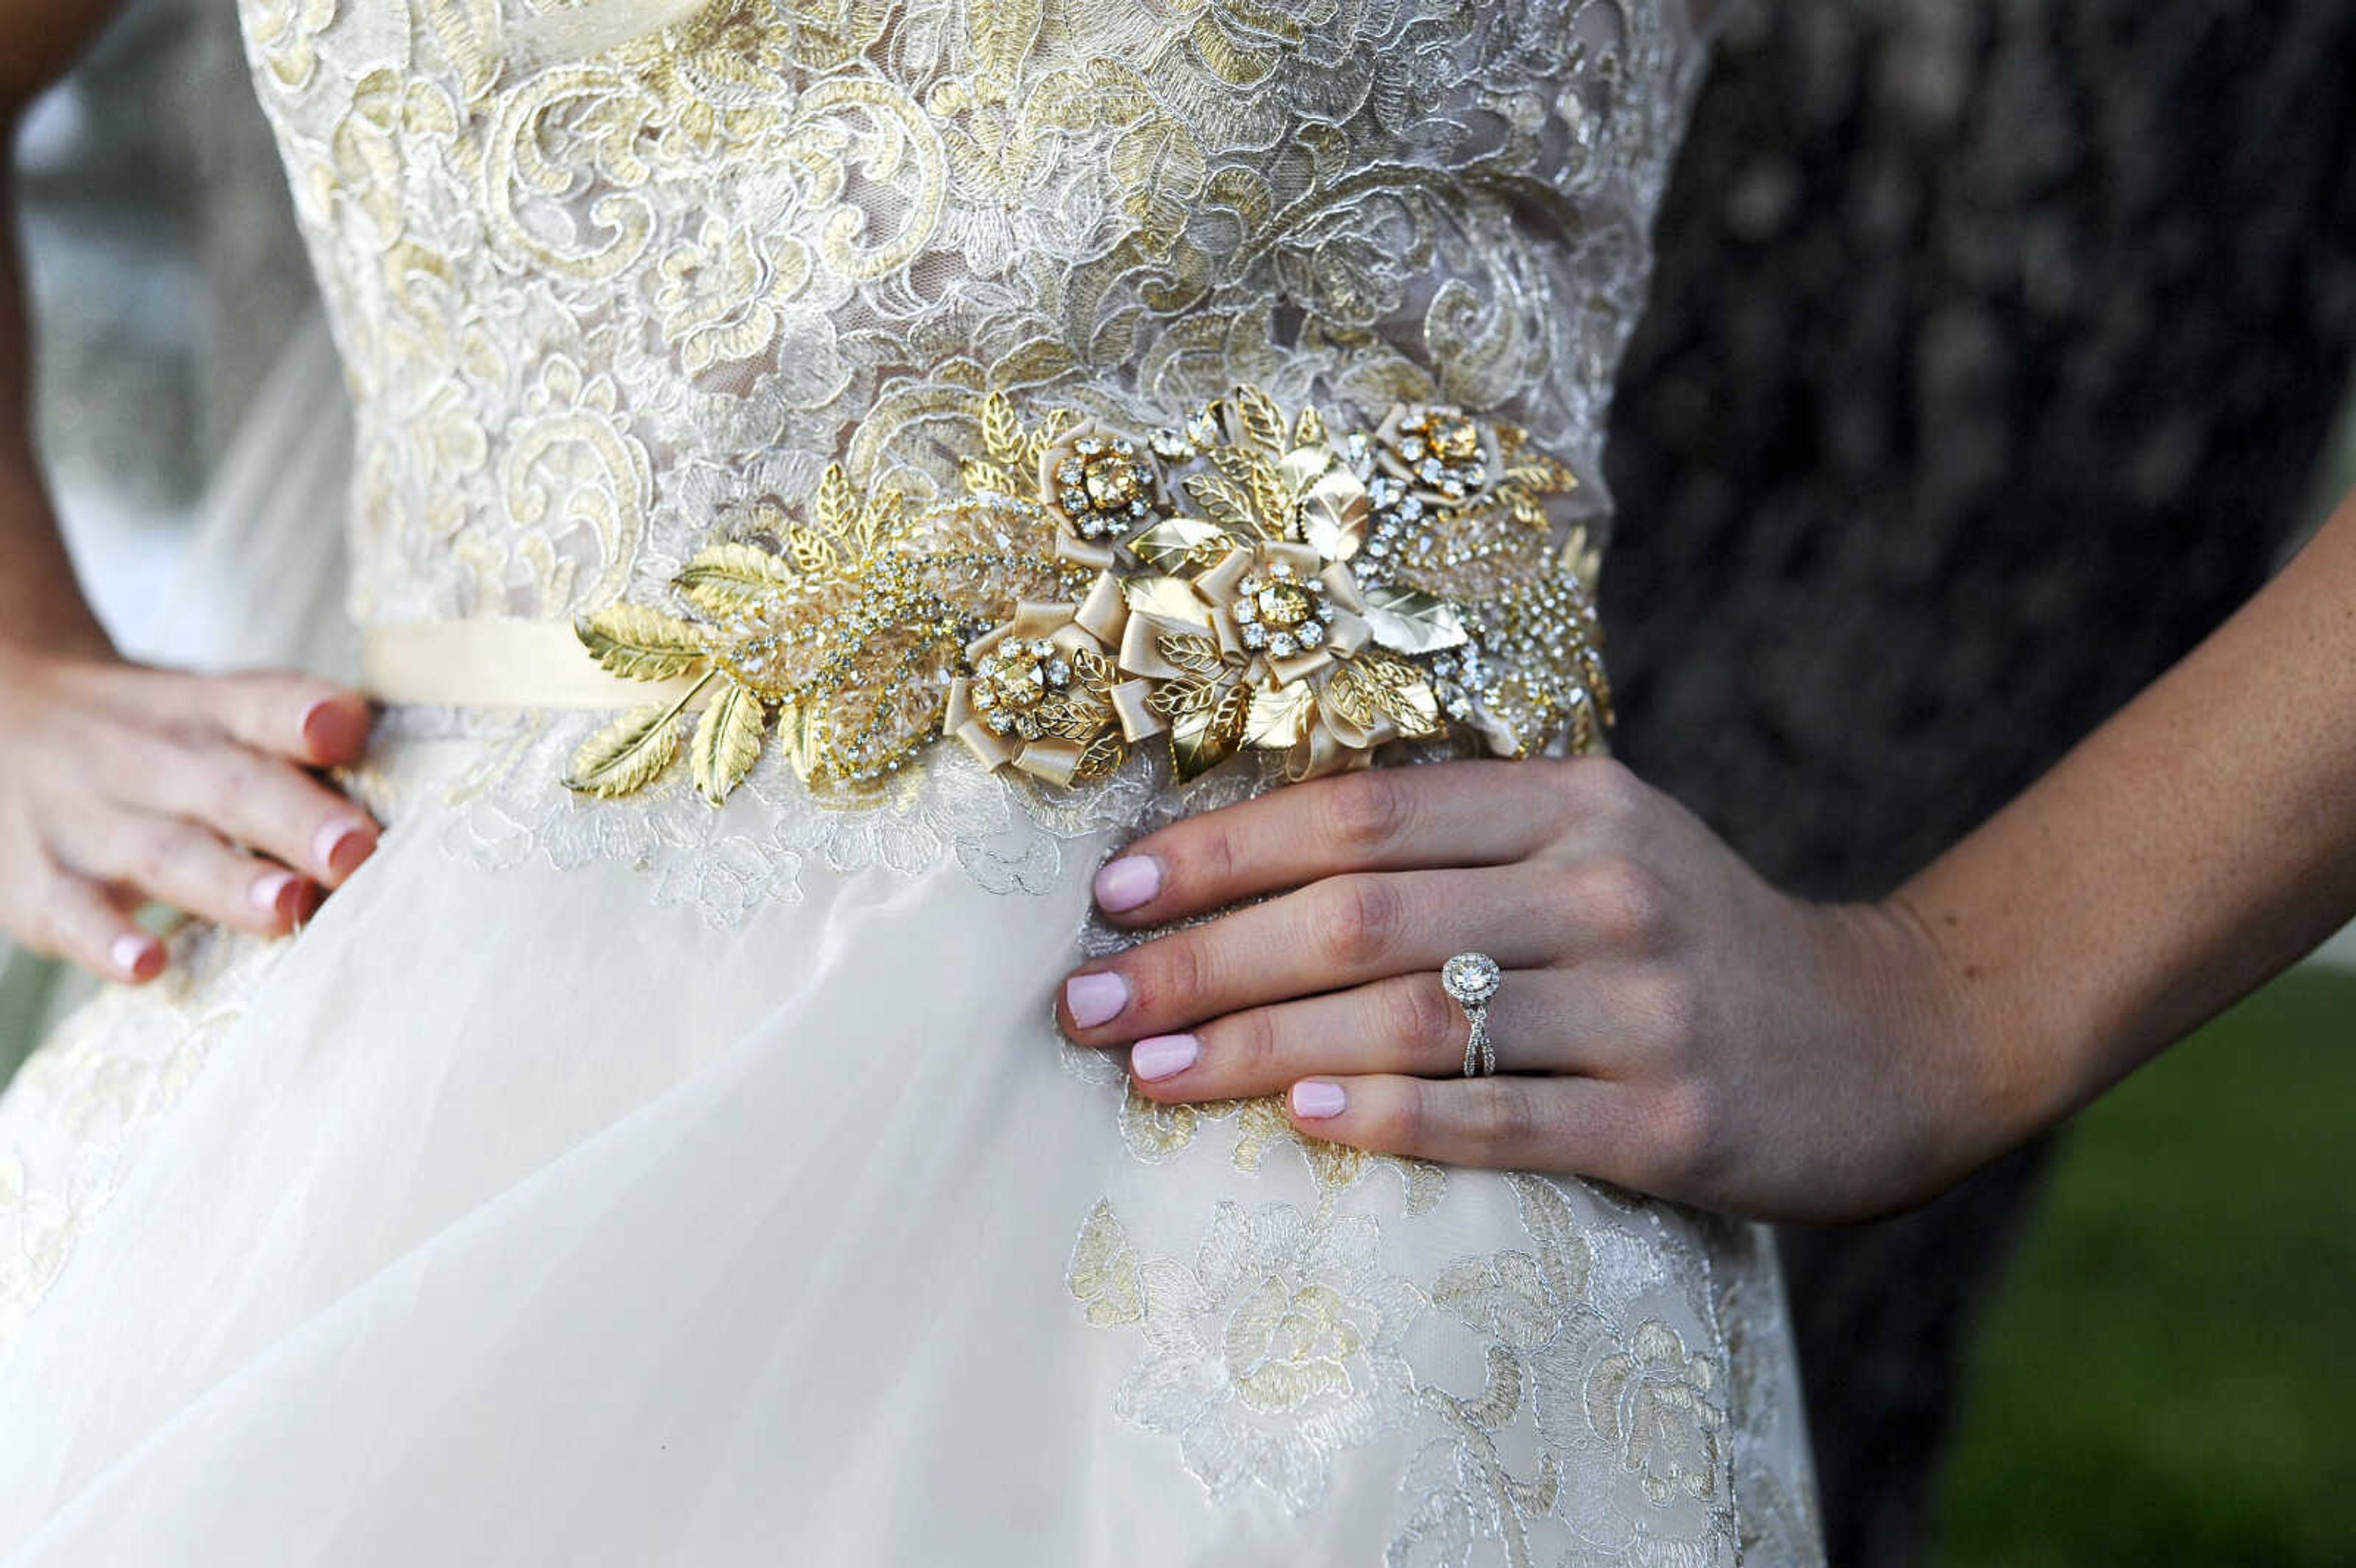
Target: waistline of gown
(1248,578)
(501,662)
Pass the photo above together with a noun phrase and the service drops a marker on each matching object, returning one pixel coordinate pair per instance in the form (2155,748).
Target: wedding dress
(607,1176)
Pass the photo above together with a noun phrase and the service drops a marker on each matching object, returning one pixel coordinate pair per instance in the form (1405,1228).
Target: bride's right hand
(120,784)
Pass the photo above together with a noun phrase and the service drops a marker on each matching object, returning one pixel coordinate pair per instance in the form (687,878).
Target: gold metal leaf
(1173,598)
(836,511)
(1263,426)
(1099,758)
(727,744)
(883,518)
(1351,694)
(1175,699)
(1328,500)
(982,475)
(1207,737)
(642,643)
(628,754)
(1178,542)
(1228,505)
(726,577)
(1070,718)
(1043,435)
(813,554)
(1400,691)
(1001,432)
(1281,714)
(1271,499)
(1309,430)
(1094,670)
(1189,652)
(1410,621)
(1414,706)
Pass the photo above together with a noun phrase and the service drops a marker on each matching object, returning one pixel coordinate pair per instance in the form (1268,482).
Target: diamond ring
(1472,979)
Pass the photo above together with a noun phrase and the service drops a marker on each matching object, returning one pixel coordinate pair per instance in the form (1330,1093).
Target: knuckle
(1418,1015)
(1180,968)
(1501,1114)
(1365,813)
(1403,1122)
(1684,1130)
(1667,1004)
(1359,919)
(1608,790)
(1248,1043)
(150,856)
(1623,901)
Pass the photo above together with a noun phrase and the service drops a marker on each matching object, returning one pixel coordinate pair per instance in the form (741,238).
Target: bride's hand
(1668,1021)
(120,783)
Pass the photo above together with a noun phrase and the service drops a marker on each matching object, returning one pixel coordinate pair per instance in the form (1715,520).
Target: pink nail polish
(1095,998)
(1156,1057)
(129,950)
(269,889)
(1128,882)
(1316,1099)
(329,729)
(339,847)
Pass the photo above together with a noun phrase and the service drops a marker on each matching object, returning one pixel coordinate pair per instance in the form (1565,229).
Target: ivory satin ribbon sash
(496,663)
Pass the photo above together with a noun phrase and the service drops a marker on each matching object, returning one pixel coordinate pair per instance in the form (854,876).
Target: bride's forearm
(2196,844)
(41,601)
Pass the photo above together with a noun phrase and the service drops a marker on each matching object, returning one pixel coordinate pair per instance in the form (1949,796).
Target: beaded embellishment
(1242,580)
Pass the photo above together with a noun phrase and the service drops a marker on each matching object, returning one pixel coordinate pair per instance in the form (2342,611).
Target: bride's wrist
(1992,1056)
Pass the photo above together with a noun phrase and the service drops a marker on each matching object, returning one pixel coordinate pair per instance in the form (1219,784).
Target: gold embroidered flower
(721,298)
(1276,1348)
(1651,1402)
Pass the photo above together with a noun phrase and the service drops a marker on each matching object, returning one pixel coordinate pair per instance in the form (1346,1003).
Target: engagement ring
(1473,979)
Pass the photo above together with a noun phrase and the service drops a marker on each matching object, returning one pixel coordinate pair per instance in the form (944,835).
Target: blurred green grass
(2167,1374)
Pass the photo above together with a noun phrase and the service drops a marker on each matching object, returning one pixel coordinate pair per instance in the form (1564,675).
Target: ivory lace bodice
(586,307)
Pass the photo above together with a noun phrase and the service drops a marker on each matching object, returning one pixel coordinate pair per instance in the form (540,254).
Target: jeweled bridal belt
(1245,578)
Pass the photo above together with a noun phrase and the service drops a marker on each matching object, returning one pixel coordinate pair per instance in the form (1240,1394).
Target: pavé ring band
(1473,979)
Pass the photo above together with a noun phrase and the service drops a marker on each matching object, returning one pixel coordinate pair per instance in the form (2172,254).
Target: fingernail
(340,847)
(1316,1099)
(129,950)
(1095,998)
(271,891)
(331,729)
(1157,1056)
(1128,882)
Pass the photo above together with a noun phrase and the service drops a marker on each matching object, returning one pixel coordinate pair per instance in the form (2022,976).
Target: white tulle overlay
(636,1181)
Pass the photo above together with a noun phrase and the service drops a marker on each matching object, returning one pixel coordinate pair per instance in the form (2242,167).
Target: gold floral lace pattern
(1243,579)
(587,304)
(1583,1409)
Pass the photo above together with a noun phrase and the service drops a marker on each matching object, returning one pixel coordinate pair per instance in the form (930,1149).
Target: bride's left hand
(1668,1021)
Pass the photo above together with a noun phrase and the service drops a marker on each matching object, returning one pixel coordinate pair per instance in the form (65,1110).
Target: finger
(1510,1122)
(301,717)
(263,802)
(189,868)
(72,918)
(1407,1023)
(1342,932)
(1395,819)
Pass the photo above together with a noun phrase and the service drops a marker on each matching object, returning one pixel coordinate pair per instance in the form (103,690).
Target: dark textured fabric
(1992,349)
